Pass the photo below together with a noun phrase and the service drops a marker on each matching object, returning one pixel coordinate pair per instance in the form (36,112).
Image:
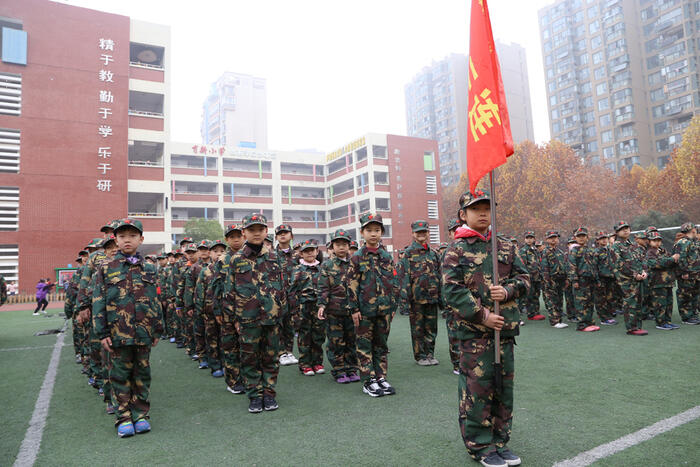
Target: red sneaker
(538,317)
(591,328)
(638,332)
(308,371)
(319,370)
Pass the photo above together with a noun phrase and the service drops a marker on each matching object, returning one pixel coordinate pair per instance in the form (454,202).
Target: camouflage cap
(341,234)
(539,243)
(640,235)
(110,239)
(654,235)
(83,252)
(191,247)
(179,252)
(233,228)
(170,253)
(468,199)
(127,222)
(552,233)
(107,227)
(161,256)
(254,219)
(453,223)
(443,245)
(353,244)
(151,257)
(687,227)
(580,231)
(513,239)
(95,243)
(649,229)
(216,243)
(600,234)
(571,240)
(311,243)
(621,225)
(369,218)
(186,241)
(419,226)
(283,228)
(529,233)
(270,238)
(204,245)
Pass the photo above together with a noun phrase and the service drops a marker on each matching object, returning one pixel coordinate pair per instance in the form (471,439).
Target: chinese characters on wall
(105,102)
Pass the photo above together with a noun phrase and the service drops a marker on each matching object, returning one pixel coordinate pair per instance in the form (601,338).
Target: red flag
(489,140)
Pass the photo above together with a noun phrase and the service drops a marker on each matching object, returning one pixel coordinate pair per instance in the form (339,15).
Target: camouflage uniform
(627,264)
(204,308)
(582,275)
(69,309)
(126,309)
(175,280)
(553,266)
(256,300)
(288,260)
(302,301)
(662,275)
(485,417)
(420,289)
(568,287)
(334,297)
(688,292)
(605,286)
(230,344)
(373,292)
(530,257)
(163,295)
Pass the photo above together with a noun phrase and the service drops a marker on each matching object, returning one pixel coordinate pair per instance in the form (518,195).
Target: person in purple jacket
(43,287)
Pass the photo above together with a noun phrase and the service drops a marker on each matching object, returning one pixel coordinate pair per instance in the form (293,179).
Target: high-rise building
(622,78)
(235,112)
(437,106)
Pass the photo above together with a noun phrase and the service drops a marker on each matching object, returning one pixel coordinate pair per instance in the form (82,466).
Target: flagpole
(498,379)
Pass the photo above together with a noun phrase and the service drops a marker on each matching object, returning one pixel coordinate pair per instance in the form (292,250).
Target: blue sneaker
(664,327)
(203,365)
(91,381)
(609,322)
(101,392)
(142,426)
(172,340)
(673,326)
(125,429)
(217,373)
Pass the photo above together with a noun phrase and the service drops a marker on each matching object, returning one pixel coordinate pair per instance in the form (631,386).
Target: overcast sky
(335,70)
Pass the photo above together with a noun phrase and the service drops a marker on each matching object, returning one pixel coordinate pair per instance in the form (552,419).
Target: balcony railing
(145,214)
(147,65)
(143,113)
(145,164)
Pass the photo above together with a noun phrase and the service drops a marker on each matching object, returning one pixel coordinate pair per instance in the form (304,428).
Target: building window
(601,88)
(432,210)
(606,136)
(14,43)
(428,161)
(609,152)
(604,104)
(9,150)
(431,184)
(434,234)
(599,73)
(9,262)
(605,120)
(9,208)
(10,94)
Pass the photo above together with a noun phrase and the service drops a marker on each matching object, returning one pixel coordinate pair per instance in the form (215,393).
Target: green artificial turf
(574,391)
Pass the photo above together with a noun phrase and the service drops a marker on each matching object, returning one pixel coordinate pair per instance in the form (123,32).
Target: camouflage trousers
(77,337)
(106,368)
(603,296)
(231,350)
(485,417)
(423,319)
(288,325)
(259,359)
(130,378)
(187,323)
(631,303)
(166,315)
(583,299)
(688,297)
(553,292)
(340,349)
(198,333)
(570,302)
(530,304)
(452,341)
(212,340)
(311,336)
(372,335)
(661,304)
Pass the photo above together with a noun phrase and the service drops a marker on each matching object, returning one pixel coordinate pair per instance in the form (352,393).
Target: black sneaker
(692,321)
(509,457)
(256,405)
(269,403)
(237,388)
(386,387)
(372,388)
(492,459)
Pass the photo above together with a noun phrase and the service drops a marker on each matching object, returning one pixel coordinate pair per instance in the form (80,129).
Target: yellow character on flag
(482,113)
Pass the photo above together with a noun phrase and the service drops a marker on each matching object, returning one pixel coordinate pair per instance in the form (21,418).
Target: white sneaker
(560,325)
(36,313)
(284,361)
(292,359)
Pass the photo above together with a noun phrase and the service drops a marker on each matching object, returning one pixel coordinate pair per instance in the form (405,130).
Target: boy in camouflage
(302,302)
(688,292)
(373,294)
(582,276)
(197,329)
(553,267)
(256,299)
(530,305)
(109,247)
(289,258)
(485,415)
(186,323)
(452,227)
(629,273)
(604,288)
(421,294)
(204,307)
(128,321)
(662,275)
(568,289)
(334,308)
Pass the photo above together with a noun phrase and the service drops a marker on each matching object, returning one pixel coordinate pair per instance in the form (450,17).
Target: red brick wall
(60,206)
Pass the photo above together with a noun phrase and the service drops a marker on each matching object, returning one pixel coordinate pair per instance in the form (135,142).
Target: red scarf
(467,232)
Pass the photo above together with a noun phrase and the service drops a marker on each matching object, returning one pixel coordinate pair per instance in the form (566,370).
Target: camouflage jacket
(257,295)
(689,261)
(582,264)
(204,295)
(288,261)
(220,284)
(333,290)
(530,257)
(553,264)
(419,275)
(661,268)
(3,291)
(163,287)
(72,294)
(604,261)
(125,305)
(84,299)
(373,282)
(626,261)
(304,285)
(190,283)
(177,287)
(467,274)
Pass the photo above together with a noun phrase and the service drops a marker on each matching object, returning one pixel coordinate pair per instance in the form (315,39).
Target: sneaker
(560,326)
(270,404)
(319,370)
(256,405)
(433,360)
(180,345)
(691,321)
(638,332)
(91,381)
(590,328)
(455,371)
(342,379)
(372,388)
(423,362)
(83,371)
(521,323)
(172,340)
(36,313)
(609,322)
(125,429)
(386,387)
(203,365)
(110,409)
(573,319)
(673,326)
(664,327)
(217,373)
(492,459)
(292,359)
(353,377)
(307,371)
(78,359)
(509,457)
(195,357)
(537,317)
(142,426)
(101,392)
(237,388)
